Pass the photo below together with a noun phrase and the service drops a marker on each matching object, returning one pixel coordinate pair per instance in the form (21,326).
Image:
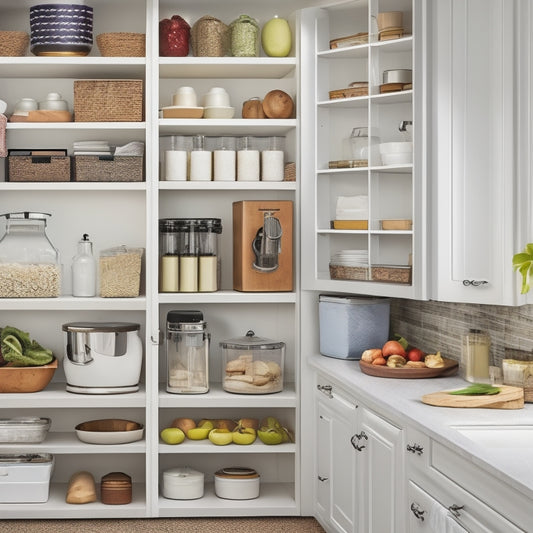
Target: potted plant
(523,262)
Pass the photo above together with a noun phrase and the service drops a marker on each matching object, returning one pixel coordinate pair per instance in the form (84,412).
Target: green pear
(270,435)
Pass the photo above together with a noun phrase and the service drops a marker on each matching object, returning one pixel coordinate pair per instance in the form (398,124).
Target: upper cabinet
(363,148)
(480,160)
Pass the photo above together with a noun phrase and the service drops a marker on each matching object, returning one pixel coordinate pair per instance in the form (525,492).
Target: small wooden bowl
(26,378)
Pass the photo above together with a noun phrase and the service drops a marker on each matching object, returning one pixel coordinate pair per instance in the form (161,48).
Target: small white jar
(237,483)
(183,483)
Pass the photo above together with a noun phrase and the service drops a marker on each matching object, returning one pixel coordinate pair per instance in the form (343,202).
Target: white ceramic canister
(201,161)
(247,160)
(237,483)
(183,483)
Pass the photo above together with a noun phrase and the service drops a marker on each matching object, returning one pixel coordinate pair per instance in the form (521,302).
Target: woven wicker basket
(108,101)
(13,43)
(349,273)
(290,172)
(97,168)
(121,44)
(210,37)
(38,168)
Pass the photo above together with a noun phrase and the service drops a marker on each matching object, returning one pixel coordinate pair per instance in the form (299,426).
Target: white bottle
(84,269)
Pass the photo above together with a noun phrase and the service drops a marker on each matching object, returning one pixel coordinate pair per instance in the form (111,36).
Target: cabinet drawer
(417,450)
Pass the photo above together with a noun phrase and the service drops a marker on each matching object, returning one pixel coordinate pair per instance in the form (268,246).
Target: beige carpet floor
(165,525)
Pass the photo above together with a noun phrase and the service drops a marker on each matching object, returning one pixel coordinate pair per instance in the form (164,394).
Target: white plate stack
(350,258)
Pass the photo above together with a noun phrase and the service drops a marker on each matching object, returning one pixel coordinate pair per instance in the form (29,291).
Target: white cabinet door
(336,462)
(473,150)
(381,474)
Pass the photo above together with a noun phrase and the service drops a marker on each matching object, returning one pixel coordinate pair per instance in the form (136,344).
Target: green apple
(244,435)
(221,437)
(198,433)
(172,435)
(270,435)
(276,37)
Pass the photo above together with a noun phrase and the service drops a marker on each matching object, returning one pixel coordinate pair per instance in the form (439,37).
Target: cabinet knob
(320,478)
(474,282)
(355,441)
(419,513)
(326,389)
(454,509)
(415,448)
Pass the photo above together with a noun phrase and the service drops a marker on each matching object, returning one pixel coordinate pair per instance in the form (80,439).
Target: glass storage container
(201,160)
(168,255)
(272,159)
(247,160)
(475,357)
(187,353)
(29,262)
(252,365)
(224,159)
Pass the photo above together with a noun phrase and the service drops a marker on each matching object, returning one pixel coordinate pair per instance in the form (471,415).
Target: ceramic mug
(184,97)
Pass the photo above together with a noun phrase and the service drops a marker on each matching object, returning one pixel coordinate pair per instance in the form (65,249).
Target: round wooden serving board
(507,398)
(381,371)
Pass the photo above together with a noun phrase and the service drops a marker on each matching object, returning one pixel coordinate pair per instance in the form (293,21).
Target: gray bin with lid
(349,325)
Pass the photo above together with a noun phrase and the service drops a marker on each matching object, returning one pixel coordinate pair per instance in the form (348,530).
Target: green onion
(477,389)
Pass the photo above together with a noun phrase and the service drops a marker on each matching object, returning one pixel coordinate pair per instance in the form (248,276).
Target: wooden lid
(116,479)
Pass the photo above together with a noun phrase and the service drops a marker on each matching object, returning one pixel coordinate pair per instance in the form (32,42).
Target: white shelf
(73,186)
(68,443)
(227,185)
(218,397)
(226,67)
(227,126)
(206,446)
(399,97)
(275,499)
(56,506)
(70,303)
(363,232)
(78,126)
(227,297)
(73,67)
(55,395)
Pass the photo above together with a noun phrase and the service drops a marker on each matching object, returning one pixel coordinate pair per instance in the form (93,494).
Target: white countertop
(400,401)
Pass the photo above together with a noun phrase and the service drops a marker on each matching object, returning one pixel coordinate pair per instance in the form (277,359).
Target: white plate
(110,437)
(219,112)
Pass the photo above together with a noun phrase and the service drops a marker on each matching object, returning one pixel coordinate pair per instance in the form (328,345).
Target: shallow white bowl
(401,158)
(395,147)
(101,432)
(219,112)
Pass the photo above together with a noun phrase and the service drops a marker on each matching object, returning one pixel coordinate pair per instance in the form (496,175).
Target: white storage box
(24,430)
(183,483)
(350,325)
(25,478)
(237,483)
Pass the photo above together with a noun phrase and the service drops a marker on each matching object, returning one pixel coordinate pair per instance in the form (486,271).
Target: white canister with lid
(237,483)
(183,483)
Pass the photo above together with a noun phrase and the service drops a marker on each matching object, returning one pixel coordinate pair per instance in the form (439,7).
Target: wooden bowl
(26,378)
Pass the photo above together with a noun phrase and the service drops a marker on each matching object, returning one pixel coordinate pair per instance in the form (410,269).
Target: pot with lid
(102,357)
(252,365)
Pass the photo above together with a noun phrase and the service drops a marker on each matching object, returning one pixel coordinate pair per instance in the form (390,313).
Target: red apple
(393,348)
(415,354)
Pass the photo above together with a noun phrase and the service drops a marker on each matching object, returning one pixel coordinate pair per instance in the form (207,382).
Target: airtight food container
(237,483)
(183,483)
(23,430)
(25,478)
(350,325)
(252,365)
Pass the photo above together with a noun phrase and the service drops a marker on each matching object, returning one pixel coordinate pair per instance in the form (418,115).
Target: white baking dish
(183,483)
(237,483)
(25,478)
(28,429)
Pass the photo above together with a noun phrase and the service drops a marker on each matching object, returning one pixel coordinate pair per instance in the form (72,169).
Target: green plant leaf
(523,263)
(476,389)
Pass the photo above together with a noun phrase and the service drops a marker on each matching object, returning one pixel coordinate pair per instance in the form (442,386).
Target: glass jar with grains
(244,33)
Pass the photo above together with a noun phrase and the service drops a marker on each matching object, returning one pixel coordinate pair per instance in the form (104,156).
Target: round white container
(183,483)
(237,483)
(176,165)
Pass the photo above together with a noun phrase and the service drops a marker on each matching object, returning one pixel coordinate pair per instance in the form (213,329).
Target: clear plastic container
(272,160)
(187,353)
(252,365)
(365,148)
(29,262)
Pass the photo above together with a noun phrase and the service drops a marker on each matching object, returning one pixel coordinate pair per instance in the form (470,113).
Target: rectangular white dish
(23,430)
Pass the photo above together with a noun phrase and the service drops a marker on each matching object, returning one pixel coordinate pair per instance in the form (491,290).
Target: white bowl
(395,147)
(400,158)
(219,112)
(100,432)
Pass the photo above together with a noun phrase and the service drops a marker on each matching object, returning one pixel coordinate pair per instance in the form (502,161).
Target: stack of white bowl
(350,258)
(396,153)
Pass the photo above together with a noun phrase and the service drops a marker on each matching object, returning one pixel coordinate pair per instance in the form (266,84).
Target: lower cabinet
(359,468)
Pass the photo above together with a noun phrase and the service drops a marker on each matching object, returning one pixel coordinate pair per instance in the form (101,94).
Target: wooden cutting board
(507,398)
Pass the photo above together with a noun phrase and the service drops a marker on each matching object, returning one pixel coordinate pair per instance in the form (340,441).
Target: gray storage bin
(349,325)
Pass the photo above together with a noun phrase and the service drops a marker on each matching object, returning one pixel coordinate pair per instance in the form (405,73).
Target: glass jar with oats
(119,272)
(29,262)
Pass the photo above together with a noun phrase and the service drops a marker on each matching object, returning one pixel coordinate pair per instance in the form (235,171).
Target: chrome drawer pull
(320,478)
(419,513)
(326,389)
(474,282)
(415,448)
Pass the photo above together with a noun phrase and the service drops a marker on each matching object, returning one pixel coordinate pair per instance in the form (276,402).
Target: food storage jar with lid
(201,160)
(187,346)
(24,429)
(29,262)
(169,255)
(365,148)
(475,357)
(183,483)
(252,365)
(245,34)
(248,160)
(224,159)
(237,483)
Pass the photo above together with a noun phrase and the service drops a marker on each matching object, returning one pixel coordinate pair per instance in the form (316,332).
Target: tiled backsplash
(433,326)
